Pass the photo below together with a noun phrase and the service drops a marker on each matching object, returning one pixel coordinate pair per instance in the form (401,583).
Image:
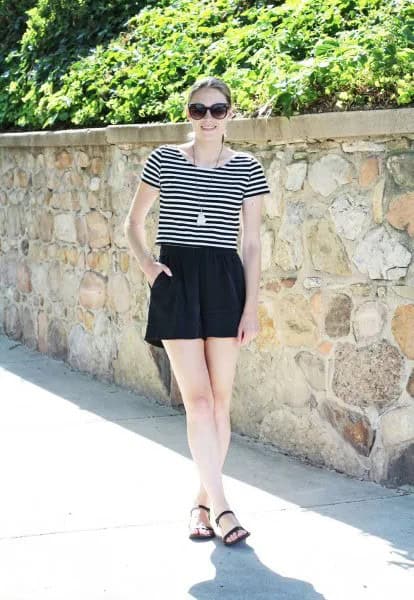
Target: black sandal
(197,536)
(237,528)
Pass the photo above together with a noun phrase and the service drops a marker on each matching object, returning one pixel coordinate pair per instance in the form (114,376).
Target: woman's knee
(200,406)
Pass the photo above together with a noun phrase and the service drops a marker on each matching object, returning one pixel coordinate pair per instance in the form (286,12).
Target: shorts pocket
(156,280)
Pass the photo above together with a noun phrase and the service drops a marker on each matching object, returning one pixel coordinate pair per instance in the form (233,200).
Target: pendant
(201,219)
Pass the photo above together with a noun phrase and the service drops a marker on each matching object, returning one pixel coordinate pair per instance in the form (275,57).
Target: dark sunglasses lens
(219,111)
(197,111)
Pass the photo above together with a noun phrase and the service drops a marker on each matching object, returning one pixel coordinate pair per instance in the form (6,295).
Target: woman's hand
(248,327)
(154,269)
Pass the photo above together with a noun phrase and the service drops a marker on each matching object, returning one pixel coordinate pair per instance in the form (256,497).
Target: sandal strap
(202,526)
(223,513)
(237,528)
(200,506)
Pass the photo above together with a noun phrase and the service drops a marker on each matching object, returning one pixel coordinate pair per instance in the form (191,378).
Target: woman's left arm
(251,258)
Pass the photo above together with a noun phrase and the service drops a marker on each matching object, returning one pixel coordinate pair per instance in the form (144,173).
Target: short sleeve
(257,183)
(151,171)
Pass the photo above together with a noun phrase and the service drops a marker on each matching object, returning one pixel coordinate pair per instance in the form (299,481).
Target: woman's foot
(200,525)
(226,523)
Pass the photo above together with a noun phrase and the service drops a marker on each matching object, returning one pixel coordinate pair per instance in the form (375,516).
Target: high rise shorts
(204,297)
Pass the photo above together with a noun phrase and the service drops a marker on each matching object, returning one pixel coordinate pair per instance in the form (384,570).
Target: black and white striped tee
(220,191)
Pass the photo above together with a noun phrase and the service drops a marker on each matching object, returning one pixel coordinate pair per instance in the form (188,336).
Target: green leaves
(90,62)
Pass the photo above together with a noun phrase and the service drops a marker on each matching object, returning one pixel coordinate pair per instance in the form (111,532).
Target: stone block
(401,213)
(381,256)
(98,230)
(351,425)
(92,291)
(296,173)
(21,178)
(369,171)
(23,278)
(363,146)
(267,338)
(327,250)
(95,184)
(288,282)
(12,324)
(397,426)
(54,280)
(82,159)
(377,201)
(290,231)
(69,286)
(296,323)
(8,269)
(328,173)
(14,221)
(65,228)
(97,165)
(312,282)
(338,316)
(350,214)
(81,230)
(360,289)
(119,293)
(402,326)
(368,322)
(56,339)
(99,261)
(313,368)
(369,375)
(63,160)
(273,201)
(46,227)
(401,167)
(325,347)
(283,255)
(42,332)
(28,329)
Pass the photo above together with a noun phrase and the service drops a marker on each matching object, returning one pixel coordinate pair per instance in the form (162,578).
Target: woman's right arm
(134,229)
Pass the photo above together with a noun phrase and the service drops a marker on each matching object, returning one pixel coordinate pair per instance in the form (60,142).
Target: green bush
(83,63)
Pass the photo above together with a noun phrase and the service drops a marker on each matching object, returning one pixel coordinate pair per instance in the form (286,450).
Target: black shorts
(204,297)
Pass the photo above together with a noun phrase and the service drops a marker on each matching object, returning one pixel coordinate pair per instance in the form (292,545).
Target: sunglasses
(218,110)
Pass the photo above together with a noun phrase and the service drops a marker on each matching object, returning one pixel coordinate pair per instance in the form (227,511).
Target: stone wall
(330,377)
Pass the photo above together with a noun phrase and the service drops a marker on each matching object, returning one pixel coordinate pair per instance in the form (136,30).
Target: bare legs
(205,374)
(221,358)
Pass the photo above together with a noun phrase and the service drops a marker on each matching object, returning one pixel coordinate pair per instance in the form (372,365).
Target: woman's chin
(210,135)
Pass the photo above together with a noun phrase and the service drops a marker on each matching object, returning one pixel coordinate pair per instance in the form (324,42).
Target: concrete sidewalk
(96,487)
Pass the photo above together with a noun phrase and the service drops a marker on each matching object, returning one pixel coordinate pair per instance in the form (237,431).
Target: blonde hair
(209,82)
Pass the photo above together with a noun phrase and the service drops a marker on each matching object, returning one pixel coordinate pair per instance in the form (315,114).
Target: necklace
(201,218)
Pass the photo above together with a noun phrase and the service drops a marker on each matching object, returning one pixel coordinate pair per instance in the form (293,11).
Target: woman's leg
(188,361)
(221,358)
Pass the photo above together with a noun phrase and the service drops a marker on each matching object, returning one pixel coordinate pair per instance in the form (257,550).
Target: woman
(203,298)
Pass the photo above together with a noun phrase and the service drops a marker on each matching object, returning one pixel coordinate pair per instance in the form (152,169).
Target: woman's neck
(207,151)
